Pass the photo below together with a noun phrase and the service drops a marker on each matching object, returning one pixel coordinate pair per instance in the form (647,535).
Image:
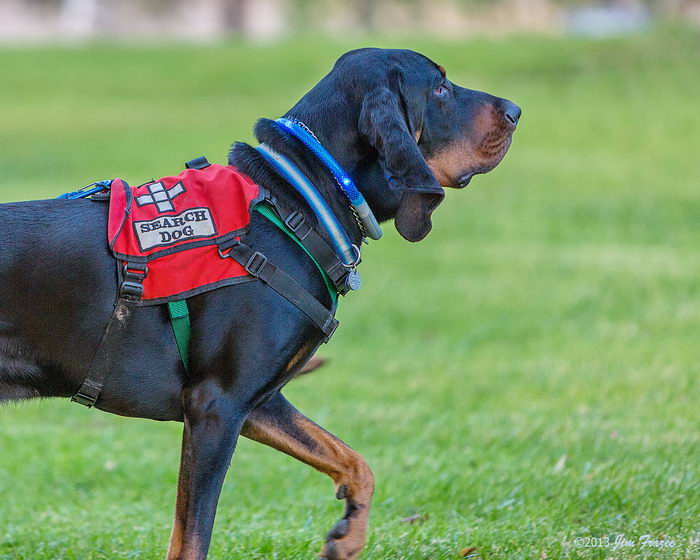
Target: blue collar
(369,226)
(348,253)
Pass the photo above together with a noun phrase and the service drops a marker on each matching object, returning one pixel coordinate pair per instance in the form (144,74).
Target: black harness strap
(130,292)
(258,266)
(325,256)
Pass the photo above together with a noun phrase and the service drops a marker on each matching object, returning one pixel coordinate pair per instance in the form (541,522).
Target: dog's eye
(441,90)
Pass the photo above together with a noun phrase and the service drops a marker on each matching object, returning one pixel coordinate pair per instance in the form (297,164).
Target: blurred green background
(525,376)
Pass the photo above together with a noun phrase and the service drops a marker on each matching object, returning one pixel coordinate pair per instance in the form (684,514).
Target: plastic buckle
(88,394)
(228,246)
(329,331)
(132,286)
(83,399)
(131,290)
(295,220)
(255,263)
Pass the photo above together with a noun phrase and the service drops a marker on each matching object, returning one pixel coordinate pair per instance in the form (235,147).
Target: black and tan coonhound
(401,129)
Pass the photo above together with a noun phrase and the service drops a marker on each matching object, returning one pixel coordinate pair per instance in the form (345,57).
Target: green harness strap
(180,320)
(180,314)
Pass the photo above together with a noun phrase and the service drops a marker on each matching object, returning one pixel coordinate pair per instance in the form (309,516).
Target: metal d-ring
(354,264)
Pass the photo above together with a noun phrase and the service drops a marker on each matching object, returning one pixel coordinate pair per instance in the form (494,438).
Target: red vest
(174,224)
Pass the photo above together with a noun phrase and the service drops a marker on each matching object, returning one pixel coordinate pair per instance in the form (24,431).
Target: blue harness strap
(88,190)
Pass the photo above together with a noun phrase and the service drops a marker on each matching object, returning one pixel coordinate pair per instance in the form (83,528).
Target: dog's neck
(339,136)
(357,158)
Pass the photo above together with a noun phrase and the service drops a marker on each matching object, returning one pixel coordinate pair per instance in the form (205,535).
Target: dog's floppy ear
(383,124)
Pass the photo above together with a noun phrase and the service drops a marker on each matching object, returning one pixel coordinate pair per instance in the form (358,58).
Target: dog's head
(405,131)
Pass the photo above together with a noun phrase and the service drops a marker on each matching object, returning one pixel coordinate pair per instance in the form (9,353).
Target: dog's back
(52,257)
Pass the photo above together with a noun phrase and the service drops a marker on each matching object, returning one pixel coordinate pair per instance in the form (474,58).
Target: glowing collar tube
(358,202)
(348,253)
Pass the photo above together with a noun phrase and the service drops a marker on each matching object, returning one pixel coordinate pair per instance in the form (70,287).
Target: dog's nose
(512,112)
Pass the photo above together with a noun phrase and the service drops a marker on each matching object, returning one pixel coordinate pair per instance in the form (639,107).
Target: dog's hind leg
(281,426)
(212,422)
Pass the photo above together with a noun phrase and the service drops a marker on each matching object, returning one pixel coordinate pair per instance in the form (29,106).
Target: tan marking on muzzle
(481,148)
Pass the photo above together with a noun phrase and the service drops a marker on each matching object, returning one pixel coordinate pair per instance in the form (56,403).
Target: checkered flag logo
(160,196)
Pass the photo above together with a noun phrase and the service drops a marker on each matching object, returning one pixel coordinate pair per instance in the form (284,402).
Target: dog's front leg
(212,423)
(278,424)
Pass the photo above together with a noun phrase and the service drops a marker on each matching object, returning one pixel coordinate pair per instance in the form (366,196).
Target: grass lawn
(526,376)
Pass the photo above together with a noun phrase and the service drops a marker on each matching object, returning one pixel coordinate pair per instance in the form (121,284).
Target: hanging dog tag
(353,280)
